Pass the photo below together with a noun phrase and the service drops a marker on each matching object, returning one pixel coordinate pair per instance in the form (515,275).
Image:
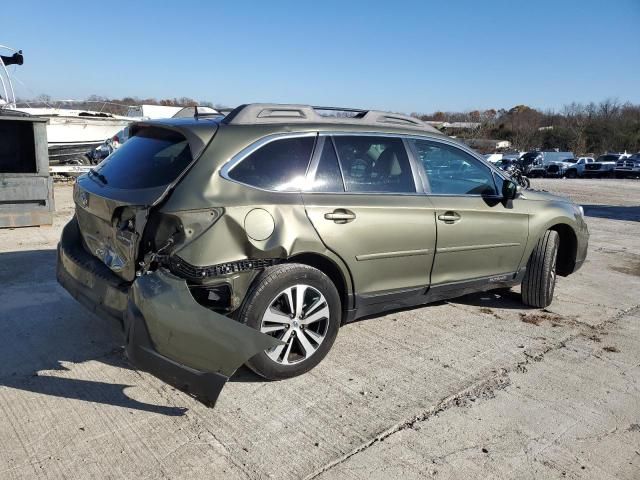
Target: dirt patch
(536,318)
(630,264)
(611,349)
(632,268)
(489,311)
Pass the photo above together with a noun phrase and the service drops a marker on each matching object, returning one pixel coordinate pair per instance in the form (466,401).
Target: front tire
(539,281)
(298,305)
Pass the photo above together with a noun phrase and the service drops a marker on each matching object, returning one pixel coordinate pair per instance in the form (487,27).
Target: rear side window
(451,171)
(279,165)
(152,158)
(374,164)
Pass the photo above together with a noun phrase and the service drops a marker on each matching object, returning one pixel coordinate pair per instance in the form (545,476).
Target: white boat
(74,132)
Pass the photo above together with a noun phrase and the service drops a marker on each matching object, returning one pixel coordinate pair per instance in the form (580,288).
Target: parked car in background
(105,149)
(504,164)
(603,166)
(558,169)
(575,167)
(251,238)
(535,163)
(628,167)
(497,157)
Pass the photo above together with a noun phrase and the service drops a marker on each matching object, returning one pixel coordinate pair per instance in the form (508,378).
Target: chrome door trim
(475,247)
(402,253)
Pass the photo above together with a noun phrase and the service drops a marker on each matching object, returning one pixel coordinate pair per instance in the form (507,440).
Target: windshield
(570,160)
(151,158)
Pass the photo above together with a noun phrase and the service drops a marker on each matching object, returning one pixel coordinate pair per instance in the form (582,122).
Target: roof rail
(273,113)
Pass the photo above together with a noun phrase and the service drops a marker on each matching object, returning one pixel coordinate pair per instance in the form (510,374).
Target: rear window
(152,158)
(279,165)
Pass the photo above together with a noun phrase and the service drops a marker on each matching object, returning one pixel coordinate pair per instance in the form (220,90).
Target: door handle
(449,217)
(340,215)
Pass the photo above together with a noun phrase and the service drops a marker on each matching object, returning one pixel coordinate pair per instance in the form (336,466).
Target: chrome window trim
(429,137)
(315,160)
(315,163)
(420,176)
(335,151)
(248,150)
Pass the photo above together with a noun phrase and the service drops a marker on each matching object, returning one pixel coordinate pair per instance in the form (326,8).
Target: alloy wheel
(299,317)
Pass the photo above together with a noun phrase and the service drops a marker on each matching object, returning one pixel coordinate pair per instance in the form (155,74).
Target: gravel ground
(477,387)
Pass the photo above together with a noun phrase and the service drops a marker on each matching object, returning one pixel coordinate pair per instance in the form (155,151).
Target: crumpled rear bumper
(165,331)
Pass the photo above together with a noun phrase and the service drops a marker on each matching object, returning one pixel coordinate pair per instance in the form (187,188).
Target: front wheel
(525,182)
(298,305)
(539,281)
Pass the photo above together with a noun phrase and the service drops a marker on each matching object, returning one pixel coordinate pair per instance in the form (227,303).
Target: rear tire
(281,300)
(539,281)
(571,174)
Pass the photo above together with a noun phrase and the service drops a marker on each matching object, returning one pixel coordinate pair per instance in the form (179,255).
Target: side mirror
(510,190)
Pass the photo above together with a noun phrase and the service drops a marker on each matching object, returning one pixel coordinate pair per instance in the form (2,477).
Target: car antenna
(195,112)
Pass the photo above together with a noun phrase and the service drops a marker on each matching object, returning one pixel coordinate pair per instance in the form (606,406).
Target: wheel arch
(332,270)
(567,249)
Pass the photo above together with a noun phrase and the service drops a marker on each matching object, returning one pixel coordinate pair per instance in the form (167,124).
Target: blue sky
(396,55)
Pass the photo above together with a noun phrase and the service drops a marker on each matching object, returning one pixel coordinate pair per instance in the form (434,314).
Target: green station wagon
(218,241)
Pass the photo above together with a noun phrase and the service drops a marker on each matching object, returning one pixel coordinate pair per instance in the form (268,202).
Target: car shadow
(613,212)
(500,298)
(245,375)
(43,329)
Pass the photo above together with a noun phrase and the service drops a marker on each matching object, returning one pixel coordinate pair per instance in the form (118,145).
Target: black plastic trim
(184,269)
(380,302)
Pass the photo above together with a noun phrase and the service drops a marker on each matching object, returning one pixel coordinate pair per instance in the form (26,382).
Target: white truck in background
(575,169)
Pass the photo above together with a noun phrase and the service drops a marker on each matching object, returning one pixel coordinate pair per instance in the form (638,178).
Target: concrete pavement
(417,393)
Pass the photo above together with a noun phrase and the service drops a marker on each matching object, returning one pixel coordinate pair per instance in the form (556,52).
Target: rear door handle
(449,217)
(340,215)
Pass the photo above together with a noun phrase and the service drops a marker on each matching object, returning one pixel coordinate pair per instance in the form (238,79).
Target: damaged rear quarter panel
(227,240)
(191,334)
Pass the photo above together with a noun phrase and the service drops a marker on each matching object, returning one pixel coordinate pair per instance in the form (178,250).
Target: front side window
(374,164)
(452,171)
(279,165)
